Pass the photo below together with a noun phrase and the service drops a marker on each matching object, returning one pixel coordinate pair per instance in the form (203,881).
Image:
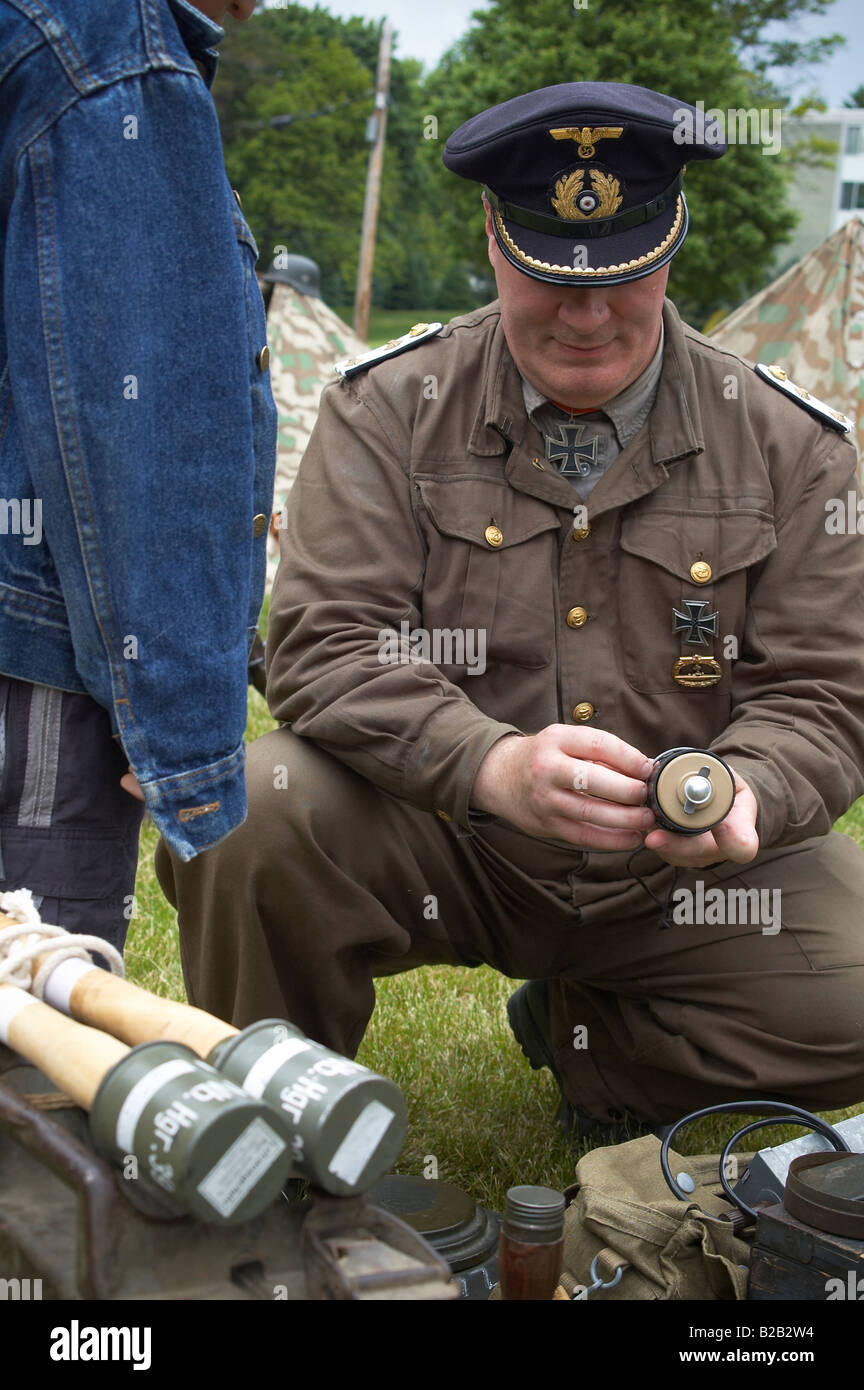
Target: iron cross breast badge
(696,625)
(695,622)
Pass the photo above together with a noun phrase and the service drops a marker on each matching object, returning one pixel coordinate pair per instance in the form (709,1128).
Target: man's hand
(129,782)
(582,786)
(734,838)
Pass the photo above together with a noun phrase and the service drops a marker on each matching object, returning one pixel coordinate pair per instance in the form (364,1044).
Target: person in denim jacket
(137,449)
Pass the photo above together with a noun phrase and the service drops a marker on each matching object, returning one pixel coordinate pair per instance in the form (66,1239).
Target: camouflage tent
(305,339)
(811,323)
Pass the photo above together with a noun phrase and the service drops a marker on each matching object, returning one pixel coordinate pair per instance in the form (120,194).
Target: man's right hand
(582,786)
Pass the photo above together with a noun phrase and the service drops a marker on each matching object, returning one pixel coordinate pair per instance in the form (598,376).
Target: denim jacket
(137,425)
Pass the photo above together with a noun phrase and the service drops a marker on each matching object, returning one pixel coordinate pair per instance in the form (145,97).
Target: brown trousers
(331,882)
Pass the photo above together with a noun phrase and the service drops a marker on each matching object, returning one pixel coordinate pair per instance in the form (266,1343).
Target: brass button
(259,525)
(582,533)
(539,465)
(577,617)
(237,196)
(263,358)
(442,815)
(700,572)
(583,712)
(494,537)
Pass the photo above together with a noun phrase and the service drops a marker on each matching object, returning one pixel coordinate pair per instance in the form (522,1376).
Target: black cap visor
(582,258)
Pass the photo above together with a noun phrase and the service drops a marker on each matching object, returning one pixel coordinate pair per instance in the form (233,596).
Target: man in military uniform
(627,525)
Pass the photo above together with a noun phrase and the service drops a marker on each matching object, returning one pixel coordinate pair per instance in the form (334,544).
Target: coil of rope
(29,937)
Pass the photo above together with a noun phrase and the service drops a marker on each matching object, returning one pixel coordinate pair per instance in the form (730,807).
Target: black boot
(528,1014)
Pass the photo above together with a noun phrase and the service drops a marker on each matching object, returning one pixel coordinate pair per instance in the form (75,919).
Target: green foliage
(746,21)
(855,99)
(811,101)
(737,206)
(303,179)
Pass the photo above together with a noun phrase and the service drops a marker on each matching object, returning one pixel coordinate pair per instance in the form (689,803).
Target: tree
(855,99)
(695,51)
(294,91)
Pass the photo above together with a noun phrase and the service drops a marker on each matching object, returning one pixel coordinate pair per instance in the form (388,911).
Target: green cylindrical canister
(344,1124)
(214,1150)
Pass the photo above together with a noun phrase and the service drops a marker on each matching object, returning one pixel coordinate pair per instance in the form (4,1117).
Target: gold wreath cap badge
(573,202)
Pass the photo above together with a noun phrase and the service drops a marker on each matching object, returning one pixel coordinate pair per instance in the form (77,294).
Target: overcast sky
(425,30)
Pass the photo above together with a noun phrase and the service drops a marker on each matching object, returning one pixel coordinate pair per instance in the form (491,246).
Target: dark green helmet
(299,272)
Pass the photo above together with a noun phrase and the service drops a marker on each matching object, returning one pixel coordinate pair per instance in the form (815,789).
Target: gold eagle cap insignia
(607,195)
(587,136)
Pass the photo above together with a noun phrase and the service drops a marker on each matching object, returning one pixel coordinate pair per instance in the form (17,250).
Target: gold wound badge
(587,136)
(573,202)
(697,672)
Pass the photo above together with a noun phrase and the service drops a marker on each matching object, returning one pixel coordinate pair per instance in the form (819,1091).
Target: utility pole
(378,126)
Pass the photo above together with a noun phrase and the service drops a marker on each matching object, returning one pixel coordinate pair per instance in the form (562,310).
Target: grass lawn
(475,1105)
(385,324)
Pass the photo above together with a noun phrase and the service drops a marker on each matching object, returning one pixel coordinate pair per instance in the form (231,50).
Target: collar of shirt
(200,35)
(628,411)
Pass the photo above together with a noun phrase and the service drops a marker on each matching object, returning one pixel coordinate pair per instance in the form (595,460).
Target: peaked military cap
(584,179)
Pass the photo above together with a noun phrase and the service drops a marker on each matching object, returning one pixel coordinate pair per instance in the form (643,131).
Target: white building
(825,197)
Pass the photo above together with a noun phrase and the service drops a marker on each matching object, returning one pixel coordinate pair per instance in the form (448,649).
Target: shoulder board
(776,376)
(415,335)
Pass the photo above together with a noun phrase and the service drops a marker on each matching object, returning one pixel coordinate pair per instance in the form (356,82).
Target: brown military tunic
(424,502)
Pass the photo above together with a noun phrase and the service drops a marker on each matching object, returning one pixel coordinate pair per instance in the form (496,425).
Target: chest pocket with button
(663,554)
(491,566)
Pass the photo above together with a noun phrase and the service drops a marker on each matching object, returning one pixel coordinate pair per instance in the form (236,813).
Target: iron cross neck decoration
(571,453)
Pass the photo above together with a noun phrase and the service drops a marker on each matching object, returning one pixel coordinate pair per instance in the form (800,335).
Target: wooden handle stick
(75,1058)
(117,1006)
(106,1001)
